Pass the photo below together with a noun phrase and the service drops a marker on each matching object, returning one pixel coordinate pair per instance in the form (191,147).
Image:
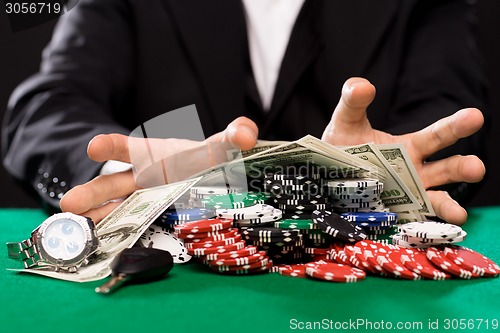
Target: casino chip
(337,227)
(437,257)
(371,218)
(430,229)
(368,252)
(305,224)
(159,237)
(190,214)
(390,262)
(253,265)
(305,207)
(472,261)
(213,243)
(336,273)
(234,200)
(218,249)
(244,252)
(431,241)
(240,261)
(203,226)
(416,261)
(258,211)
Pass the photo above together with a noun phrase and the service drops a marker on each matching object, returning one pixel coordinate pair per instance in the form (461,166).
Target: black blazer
(114,64)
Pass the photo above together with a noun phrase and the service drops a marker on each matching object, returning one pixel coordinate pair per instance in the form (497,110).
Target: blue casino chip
(371,218)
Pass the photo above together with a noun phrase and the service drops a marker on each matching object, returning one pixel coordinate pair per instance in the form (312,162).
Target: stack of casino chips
(436,263)
(255,223)
(425,234)
(220,246)
(297,195)
(281,245)
(376,225)
(355,195)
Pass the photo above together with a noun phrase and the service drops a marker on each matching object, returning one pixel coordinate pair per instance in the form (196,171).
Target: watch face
(64,239)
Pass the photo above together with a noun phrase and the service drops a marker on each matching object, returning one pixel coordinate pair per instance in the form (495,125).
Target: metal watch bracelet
(26,251)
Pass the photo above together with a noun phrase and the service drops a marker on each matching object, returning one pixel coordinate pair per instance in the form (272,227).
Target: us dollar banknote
(399,159)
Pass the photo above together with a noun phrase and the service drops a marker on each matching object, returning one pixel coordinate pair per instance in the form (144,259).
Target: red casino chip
(218,249)
(472,261)
(264,269)
(244,252)
(438,258)
(200,245)
(339,254)
(204,234)
(229,233)
(416,261)
(351,251)
(298,270)
(202,226)
(391,263)
(241,261)
(254,265)
(368,251)
(336,273)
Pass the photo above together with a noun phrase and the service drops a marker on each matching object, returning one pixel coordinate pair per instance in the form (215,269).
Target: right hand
(97,198)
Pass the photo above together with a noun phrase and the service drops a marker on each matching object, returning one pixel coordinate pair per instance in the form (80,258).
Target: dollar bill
(262,145)
(399,159)
(121,229)
(396,195)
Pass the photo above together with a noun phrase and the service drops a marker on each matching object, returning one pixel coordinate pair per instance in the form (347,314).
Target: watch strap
(25,251)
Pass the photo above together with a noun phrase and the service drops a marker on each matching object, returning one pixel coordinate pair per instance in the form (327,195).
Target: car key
(140,264)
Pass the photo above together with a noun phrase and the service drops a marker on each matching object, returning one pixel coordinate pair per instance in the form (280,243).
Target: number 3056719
(32,8)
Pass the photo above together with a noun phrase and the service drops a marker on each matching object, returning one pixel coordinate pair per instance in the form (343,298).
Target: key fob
(141,263)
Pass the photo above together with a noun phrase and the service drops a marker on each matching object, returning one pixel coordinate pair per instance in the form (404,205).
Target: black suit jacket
(113,64)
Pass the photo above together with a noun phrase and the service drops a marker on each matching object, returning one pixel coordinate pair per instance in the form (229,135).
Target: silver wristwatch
(63,241)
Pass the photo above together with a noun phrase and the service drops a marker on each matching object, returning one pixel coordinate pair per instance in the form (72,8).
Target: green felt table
(191,299)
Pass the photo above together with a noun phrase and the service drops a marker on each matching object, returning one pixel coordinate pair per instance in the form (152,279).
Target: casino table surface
(192,299)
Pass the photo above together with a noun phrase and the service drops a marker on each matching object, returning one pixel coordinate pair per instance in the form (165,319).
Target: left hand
(350,126)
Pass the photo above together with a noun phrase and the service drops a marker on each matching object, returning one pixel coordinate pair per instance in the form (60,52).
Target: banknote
(396,195)
(399,159)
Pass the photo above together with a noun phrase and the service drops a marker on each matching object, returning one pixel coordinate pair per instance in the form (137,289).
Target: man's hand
(350,126)
(93,198)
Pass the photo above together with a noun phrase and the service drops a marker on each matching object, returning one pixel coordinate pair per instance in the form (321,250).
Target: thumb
(349,122)
(241,132)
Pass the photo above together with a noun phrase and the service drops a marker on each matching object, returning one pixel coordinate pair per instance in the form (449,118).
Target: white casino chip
(159,238)
(431,229)
(258,211)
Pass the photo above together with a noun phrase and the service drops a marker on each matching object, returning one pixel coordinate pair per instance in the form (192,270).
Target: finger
(454,169)
(241,133)
(349,122)
(97,214)
(105,147)
(101,189)
(447,131)
(447,208)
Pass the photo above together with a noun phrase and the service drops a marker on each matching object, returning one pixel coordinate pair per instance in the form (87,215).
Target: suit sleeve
(82,86)
(441,74)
